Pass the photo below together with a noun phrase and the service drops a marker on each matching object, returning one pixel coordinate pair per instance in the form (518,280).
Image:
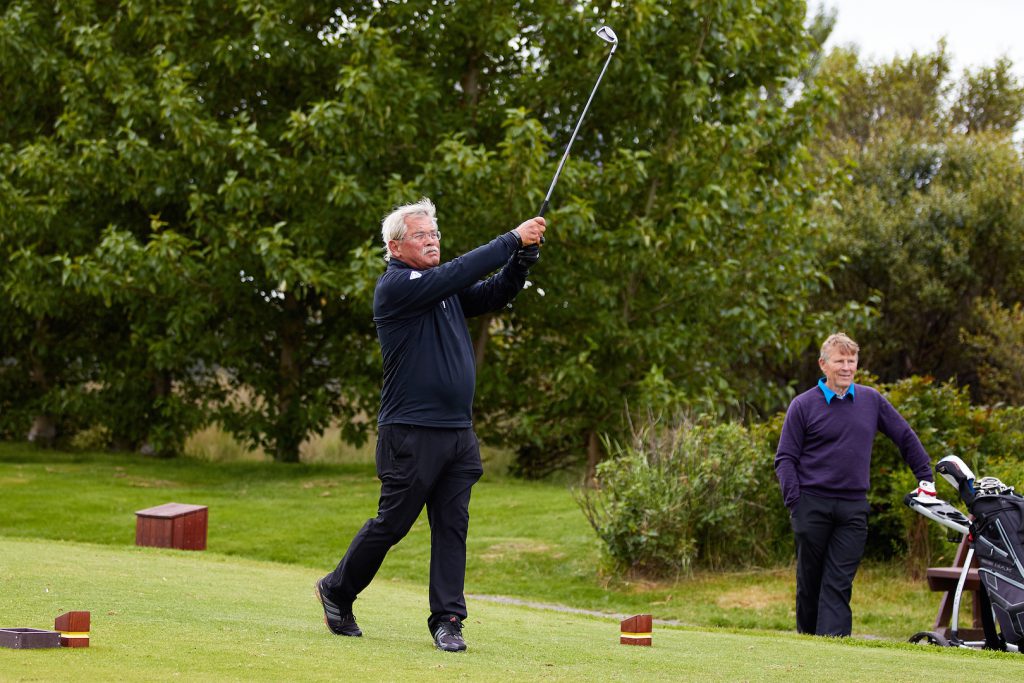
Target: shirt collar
(829,394)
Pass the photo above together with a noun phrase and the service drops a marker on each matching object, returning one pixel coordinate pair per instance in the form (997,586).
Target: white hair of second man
(838,340)
(393,226)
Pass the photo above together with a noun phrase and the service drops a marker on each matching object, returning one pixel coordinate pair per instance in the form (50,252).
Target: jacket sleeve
(405,292)
(496,291)
(894,426)
(791,444)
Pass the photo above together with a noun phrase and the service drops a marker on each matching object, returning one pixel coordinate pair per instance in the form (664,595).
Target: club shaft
(558,171)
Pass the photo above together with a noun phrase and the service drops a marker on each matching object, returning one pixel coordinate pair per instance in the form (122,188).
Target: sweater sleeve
(788,455)
(892,424)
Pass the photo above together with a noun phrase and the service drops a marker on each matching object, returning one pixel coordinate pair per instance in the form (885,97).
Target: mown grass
(527,540)
(161,615)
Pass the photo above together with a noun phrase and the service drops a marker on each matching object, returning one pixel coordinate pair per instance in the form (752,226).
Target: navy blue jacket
(429,364)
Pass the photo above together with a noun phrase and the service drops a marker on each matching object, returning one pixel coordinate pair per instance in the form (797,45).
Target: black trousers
(830,538)
(417,467)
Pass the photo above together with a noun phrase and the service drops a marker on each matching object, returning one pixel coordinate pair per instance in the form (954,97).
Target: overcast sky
(977,31)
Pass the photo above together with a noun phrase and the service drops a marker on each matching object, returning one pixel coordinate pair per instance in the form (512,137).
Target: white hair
(839,340)
(393,226)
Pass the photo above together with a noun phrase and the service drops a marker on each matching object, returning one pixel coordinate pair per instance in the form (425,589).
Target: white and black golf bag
(998,536)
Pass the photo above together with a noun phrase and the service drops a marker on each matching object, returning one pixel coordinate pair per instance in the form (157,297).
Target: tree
(256,147)
(995,339)
(157,194)
(989,99)
(927,217)
(680,260)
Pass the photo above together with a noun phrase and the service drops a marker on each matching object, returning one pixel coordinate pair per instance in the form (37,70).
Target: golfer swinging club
(427,452)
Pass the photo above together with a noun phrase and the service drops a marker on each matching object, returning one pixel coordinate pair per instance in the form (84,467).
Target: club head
(606,34)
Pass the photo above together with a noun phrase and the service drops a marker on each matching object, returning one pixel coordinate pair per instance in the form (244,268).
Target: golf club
(606,34)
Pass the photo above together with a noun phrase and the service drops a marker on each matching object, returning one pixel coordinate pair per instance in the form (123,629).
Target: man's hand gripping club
(531,234)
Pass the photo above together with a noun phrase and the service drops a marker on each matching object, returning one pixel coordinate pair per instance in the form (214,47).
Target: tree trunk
(43,431)
(289,429)
(470,82)
(593,457)
(159,388)
(482,337)
(44,426)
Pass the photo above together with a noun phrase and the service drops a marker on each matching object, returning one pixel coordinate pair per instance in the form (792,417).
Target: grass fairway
(527,540)
(176,615)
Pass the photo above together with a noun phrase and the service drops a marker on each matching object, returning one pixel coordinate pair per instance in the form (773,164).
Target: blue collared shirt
(829,394)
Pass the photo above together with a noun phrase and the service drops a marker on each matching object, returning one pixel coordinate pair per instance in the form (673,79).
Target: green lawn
(161,615)
(527,541)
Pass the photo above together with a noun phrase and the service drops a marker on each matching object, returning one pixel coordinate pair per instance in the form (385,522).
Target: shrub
(684,493)
(687,493)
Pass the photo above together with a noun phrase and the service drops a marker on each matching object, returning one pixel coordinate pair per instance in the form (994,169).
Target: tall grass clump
(685,493)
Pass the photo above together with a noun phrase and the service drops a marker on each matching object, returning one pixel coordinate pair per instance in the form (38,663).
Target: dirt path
(551,607)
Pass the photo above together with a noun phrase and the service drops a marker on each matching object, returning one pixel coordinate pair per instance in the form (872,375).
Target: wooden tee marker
(636,630)
(73,628)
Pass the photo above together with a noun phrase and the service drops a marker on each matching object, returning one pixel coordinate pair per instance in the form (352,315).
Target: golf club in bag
(606,34)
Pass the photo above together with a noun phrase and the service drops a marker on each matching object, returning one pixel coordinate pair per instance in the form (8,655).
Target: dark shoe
(341,623)
(448,635)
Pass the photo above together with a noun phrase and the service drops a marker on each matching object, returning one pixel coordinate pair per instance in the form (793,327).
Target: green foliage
(874,98)
(641,488)
(996,342)
(991,98)
(680,255)
(927,187)
(167,244)
(190,197)
(684,494)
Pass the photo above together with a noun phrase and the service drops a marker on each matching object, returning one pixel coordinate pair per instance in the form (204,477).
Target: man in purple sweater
(824,464)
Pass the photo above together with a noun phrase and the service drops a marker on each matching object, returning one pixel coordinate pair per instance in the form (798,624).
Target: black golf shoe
(340,622)
(448,634)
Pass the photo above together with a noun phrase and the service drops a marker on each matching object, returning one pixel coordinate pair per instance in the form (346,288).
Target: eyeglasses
(423,236)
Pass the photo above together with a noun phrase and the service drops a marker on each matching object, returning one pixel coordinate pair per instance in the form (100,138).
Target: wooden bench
(944,580)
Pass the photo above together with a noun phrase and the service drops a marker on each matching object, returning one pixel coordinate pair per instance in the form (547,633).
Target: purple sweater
(825,448)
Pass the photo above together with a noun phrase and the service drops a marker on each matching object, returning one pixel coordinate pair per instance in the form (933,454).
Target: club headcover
(959,475)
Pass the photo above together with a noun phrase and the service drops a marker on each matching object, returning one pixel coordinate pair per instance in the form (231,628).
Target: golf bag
(997,533)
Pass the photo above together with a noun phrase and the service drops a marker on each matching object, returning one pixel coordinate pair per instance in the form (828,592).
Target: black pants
(417,467)
(830,537)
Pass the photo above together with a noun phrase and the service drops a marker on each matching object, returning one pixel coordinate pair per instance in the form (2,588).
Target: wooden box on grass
(28,638)
(172,525)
